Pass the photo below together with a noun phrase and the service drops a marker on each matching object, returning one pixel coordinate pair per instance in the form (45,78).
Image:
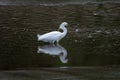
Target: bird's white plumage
(53,36)
(49,37)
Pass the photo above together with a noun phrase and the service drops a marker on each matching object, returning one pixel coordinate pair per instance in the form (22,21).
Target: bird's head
(62,26)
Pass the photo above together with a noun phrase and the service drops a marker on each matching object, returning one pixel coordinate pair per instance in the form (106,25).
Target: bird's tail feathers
(38,35)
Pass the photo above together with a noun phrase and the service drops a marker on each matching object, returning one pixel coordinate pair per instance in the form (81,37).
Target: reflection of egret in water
(54,50)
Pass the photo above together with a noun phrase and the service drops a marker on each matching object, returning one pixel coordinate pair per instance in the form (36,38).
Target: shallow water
(76,73)
(93,39)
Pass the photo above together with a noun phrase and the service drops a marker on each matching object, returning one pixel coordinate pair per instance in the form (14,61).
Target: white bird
(54,36)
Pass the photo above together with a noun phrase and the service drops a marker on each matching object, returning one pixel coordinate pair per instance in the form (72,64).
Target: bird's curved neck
(64,29)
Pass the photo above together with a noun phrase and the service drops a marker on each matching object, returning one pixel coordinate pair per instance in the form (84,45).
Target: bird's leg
(56,42)
(53,42)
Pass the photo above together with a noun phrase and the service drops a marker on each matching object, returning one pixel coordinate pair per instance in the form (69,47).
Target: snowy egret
(54,50)
(54,36)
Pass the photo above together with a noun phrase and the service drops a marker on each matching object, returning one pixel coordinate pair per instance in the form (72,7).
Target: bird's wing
(50,34)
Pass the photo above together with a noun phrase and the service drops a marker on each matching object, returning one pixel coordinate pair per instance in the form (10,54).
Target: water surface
(92,44)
